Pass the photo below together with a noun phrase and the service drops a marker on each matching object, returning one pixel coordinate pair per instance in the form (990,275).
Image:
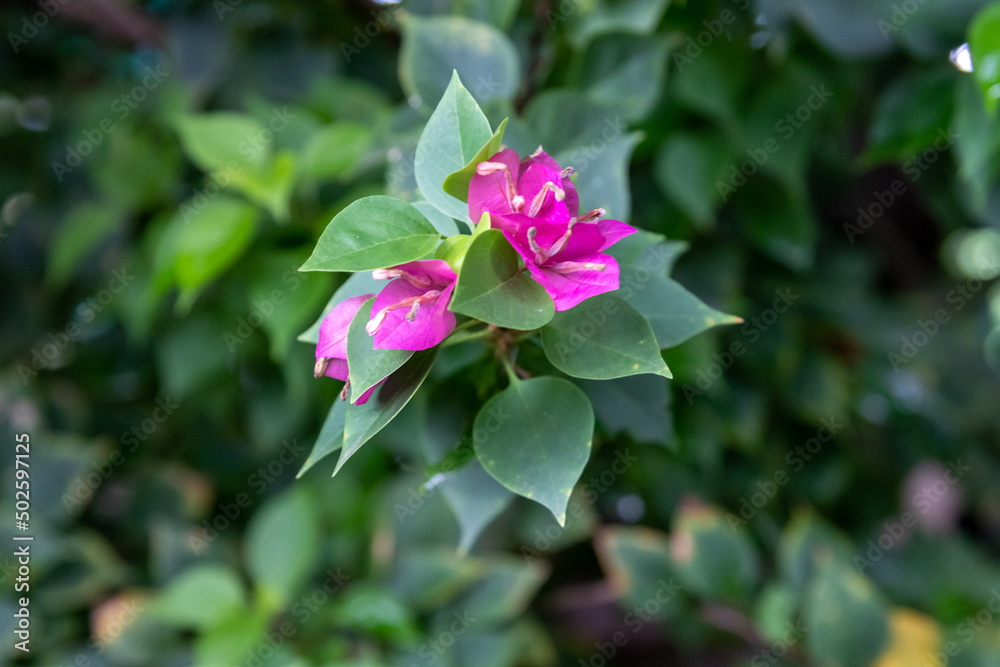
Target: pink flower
(411,312)
(566,258)
(535,187)
(331,350)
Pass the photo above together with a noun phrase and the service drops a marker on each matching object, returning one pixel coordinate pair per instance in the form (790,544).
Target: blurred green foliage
(814,486)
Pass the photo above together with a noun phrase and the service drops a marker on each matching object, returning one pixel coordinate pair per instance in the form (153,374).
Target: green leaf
(364,421)
(491,286)
(336,151)
(200,596)
(435,47)
(627,72)
(214,140)
(984,43)
(369,366)
(688,169)
(210,240)
(282,545)
(534,438)
(637,405)
(331,436)
(601,339)
(599,18)
(78,235)
(457,183)
(372,233)
(674,313)
(847,619)
(602,178)
(636,563)
(454,134)
(444,223)
(505,591)
(476,499)
(806,540)
(712,556)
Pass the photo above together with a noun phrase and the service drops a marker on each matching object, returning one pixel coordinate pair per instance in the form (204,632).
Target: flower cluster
(536,206)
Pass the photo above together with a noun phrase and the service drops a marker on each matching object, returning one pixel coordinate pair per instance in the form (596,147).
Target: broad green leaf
(847,619)
(364,421)
(200,596)
(78,235)
(269,185)
(356,284)
(444,223)
(457,183)
(910,115)
(331,436)
(601,339)
(229,642)
(638,405)
(215,140)
(475,498)
(428,578)
(372,233)
(636,563)
(454,134)
(534,438)
(282,545)
(806,540)
(210,240)
(984,43)
(689,168)
(336,151)
(598,18)
(491,286)
(368,365)
(435,47)
(712,557)
(499,13)
(674,313)
(505,591)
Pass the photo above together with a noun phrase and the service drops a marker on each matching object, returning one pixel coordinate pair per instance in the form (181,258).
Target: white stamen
(386,274)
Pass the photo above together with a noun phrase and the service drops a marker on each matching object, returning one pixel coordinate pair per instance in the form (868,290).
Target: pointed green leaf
(476,499)
(331,436)
(674,313)
(364,421)
(534,438)
(601,339)
(491,286)
(455,133)
(282,544)
(368,365)
(457,183)
(373,233)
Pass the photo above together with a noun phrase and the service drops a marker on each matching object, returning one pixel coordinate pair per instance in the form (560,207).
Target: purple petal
(368,394)
(613,231)
(436,270)
(431,324)
(569,289)
(333,331)
(336,369)
(533,181)
(572,200)
(490,192)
